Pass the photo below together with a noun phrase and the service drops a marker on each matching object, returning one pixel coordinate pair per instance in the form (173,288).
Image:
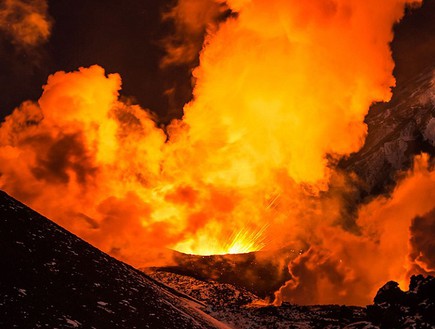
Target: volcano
(257,272)
(293,180)
(51,278)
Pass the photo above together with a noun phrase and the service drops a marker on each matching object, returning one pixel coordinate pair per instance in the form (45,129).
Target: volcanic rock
(397,131)
(50,278)
(261,273)
(241,309)
(394,308)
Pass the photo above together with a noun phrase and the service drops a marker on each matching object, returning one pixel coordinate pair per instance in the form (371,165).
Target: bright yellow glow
(240,242)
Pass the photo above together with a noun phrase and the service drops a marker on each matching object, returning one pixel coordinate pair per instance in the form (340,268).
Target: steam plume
(422,244)
(26,22)
(348,268)
(191,19)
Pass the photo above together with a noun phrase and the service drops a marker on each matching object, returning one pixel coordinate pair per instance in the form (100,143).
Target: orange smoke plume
(348,268)
(281,93)
(191,19)
(26,22)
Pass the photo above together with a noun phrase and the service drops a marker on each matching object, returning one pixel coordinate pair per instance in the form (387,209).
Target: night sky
(126,37)
(121,36)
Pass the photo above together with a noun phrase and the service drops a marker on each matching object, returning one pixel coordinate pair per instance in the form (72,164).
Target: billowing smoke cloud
(422,257)
(303,101)
(25,22)
(342,267)
(280,95)
(73,156)
(191,20)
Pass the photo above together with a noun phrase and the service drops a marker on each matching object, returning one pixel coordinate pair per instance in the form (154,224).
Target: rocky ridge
(52,279)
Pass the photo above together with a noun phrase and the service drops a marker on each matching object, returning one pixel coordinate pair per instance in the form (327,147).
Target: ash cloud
(62,158)
(393,241)
(422,244)
(191,20)
(26,22)
(25,28)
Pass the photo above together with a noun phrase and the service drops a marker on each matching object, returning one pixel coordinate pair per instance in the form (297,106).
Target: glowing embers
(238,242)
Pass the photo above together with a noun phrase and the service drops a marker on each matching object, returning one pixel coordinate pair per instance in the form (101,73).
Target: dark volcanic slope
(397,131)
(50,278)
(392,308)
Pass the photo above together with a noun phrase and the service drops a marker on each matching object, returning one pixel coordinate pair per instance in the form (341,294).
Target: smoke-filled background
(220,127)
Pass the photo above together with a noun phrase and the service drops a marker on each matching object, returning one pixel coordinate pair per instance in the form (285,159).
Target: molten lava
(241,242)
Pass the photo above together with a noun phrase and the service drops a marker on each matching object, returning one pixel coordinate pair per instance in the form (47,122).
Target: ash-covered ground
(239,308)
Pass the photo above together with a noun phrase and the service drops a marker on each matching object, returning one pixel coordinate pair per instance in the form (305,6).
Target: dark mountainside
(397,131)
(52,279)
